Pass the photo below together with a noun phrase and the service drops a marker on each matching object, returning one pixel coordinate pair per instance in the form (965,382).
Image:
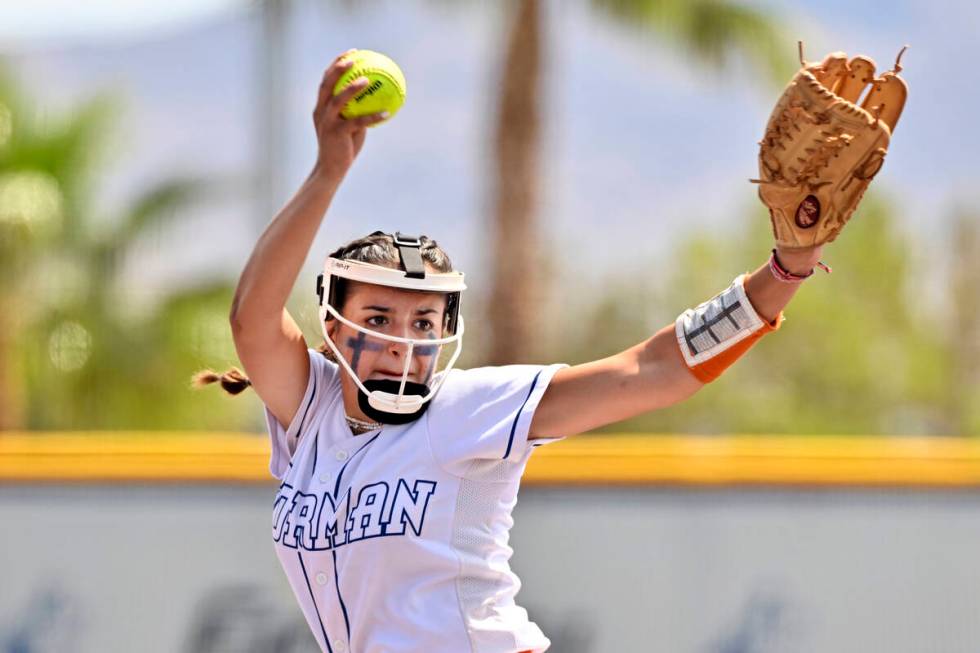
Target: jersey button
(341,455)
(338,645)
(324,478)
(321,578)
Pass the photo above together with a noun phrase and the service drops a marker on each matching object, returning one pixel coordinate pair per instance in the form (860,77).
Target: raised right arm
(269,343)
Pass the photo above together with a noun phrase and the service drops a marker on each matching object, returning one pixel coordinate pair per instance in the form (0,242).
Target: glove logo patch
(808,213)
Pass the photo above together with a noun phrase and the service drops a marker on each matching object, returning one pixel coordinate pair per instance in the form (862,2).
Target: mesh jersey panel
(486,585)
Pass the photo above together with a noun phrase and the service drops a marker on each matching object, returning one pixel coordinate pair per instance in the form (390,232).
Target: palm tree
(713,31)
(41,180)
(71,355)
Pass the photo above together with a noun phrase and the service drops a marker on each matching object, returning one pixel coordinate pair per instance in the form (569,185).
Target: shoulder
(321,395)
(322,386)
(321,367)
(485,412)
(480,381)
(324,381)
(484,390)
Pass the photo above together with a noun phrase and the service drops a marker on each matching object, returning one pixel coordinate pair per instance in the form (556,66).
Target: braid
(233,381)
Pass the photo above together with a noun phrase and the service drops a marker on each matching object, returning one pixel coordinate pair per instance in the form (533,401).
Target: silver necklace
(360,426)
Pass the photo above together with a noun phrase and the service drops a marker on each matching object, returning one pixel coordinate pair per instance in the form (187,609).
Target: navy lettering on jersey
(318,522)
(327,532)
(365,517)
(409,507)
(299,530)
(279,513)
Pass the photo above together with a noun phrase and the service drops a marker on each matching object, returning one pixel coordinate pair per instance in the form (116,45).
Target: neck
(358,426)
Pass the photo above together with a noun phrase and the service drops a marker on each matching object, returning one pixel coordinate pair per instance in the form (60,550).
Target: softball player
(399,478)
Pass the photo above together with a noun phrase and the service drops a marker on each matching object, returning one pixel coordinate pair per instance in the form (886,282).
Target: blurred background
(586,163)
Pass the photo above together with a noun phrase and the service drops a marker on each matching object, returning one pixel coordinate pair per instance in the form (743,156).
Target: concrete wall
(164,569)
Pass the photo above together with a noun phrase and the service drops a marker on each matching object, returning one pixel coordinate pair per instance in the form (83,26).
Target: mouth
(386,375)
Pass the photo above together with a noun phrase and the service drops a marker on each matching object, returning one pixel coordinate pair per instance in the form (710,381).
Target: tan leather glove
(821,149)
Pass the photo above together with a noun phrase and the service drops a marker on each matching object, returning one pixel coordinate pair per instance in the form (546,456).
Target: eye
(377,320)
(424,325)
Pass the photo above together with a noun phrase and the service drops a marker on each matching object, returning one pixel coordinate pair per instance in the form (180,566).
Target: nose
(398,349)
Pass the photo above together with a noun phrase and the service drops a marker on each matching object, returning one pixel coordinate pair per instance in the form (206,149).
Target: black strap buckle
(406,240)
(409,251)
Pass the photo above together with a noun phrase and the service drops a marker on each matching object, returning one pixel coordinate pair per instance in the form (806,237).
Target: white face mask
(393,401)
(405,400)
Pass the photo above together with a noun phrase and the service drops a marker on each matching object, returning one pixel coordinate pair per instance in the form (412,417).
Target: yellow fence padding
(672,460)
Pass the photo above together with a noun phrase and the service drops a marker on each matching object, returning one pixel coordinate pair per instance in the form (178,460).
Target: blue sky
(640,145)
(52,22)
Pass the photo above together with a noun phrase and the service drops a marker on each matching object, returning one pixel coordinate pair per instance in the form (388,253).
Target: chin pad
(391,386)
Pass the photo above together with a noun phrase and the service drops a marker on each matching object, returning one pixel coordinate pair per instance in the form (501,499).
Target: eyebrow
(385,309)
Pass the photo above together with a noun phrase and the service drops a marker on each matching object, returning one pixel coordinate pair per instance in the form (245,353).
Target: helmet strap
(410,255)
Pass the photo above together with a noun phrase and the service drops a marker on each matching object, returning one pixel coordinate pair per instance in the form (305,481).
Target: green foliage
(710,31)
(74,355)
(857,353)
(965,320)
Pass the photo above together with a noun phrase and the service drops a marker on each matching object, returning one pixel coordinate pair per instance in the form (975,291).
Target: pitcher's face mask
(394,400)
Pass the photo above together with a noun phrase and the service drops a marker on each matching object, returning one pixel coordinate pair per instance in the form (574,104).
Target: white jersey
(396,540)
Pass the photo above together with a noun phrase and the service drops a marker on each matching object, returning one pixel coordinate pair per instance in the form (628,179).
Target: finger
(830,70)
(331,76)
(861,73)
(339,101)
(371,120)
(344,54)
(886,99)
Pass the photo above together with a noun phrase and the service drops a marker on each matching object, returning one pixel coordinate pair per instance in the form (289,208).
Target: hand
(339,140)
(799,261)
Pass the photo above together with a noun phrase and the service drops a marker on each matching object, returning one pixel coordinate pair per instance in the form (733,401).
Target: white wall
(164,569)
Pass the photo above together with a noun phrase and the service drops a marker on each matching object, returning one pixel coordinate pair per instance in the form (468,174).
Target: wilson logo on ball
(369,91)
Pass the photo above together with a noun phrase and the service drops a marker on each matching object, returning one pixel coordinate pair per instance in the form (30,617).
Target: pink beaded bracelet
(784,275)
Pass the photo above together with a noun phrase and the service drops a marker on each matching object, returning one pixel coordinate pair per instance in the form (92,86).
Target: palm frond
(713,32)
(158,205)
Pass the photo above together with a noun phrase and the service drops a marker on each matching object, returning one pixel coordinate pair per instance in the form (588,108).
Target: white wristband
(717,325)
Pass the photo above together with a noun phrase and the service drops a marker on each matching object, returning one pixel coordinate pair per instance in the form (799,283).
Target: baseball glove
(821,149)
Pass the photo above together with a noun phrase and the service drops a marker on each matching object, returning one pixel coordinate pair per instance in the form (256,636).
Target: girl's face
(393,312)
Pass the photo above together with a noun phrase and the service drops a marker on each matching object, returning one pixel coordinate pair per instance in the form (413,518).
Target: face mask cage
(400,401)
(404,400)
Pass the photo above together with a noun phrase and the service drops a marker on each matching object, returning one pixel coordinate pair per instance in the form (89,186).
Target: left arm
(656,373)
(652,374)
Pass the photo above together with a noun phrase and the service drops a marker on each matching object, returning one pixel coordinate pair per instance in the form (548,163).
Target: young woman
(398,479)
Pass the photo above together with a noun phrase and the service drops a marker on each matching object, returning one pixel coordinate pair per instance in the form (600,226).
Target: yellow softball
(386,85)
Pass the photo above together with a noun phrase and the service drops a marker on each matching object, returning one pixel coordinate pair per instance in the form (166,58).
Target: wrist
(802,265)
(799,261)
(326,175)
